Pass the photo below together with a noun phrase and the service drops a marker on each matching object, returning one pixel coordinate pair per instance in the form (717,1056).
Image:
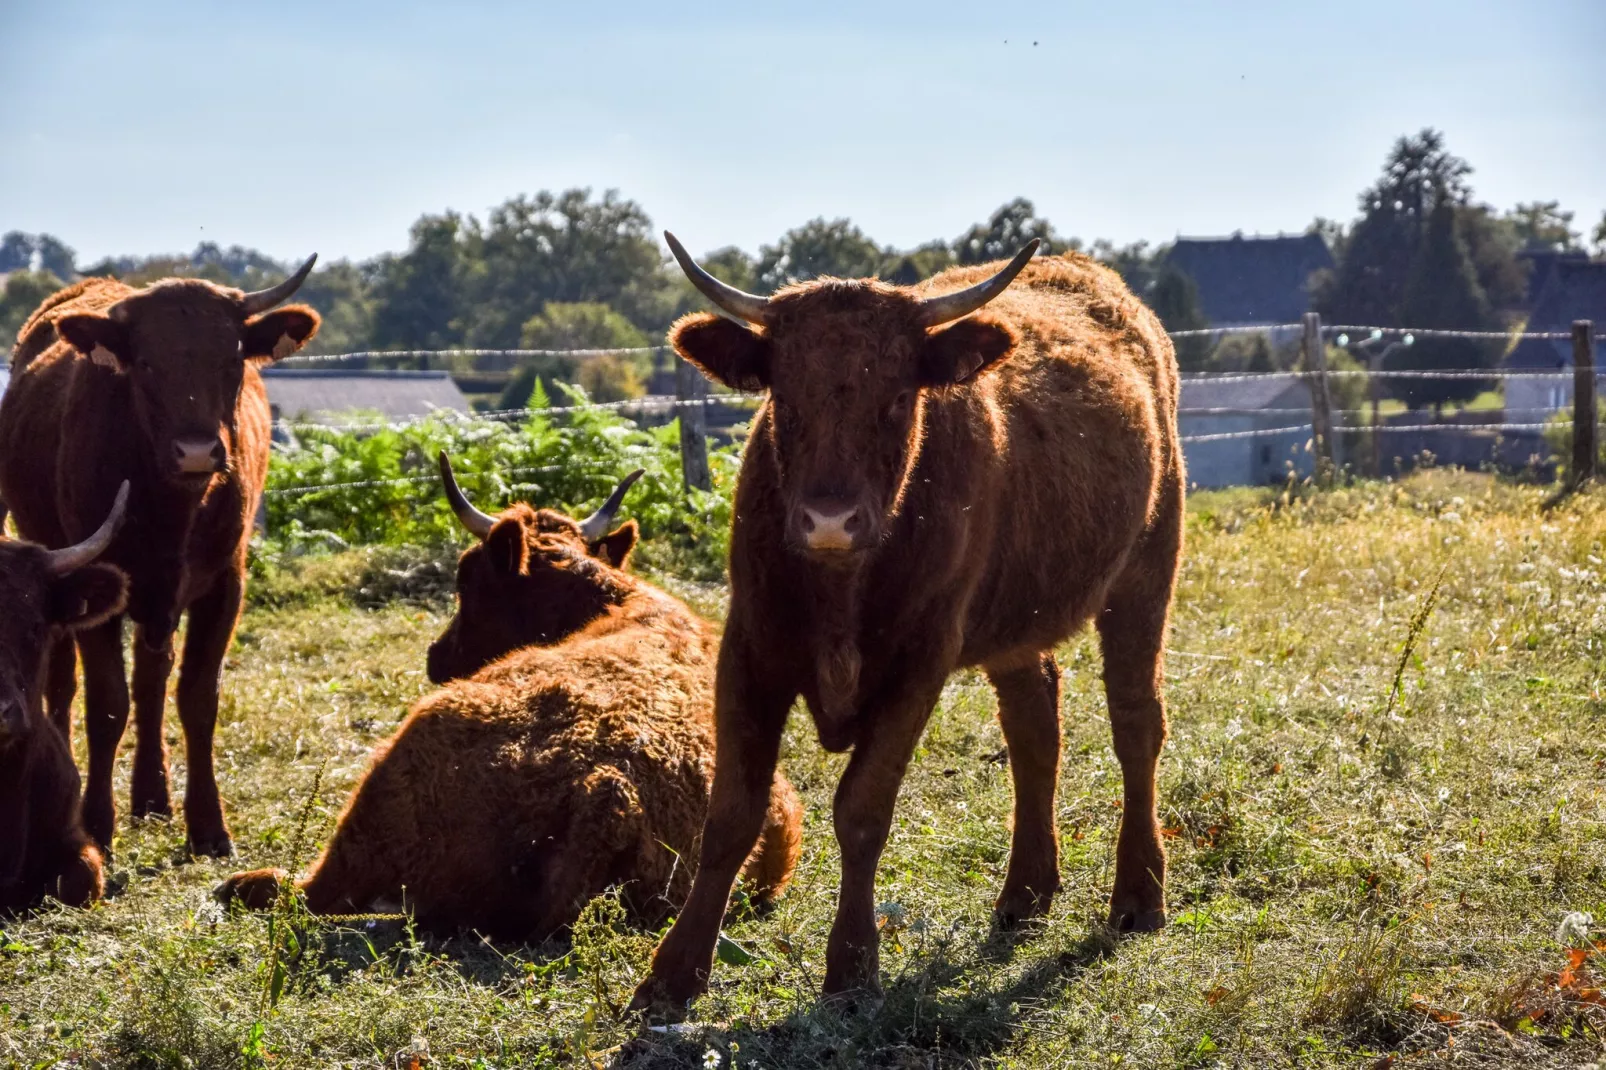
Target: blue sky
(133,128)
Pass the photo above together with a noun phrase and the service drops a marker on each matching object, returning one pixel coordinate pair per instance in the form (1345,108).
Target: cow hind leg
(1028,712)
(769,868)
(153,664)
(211,628)
(61,683)
(1132,630)
(105,719)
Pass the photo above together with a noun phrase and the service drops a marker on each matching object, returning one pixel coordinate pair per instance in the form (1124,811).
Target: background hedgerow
(1353,883)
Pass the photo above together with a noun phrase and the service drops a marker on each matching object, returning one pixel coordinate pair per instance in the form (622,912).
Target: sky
(331,127)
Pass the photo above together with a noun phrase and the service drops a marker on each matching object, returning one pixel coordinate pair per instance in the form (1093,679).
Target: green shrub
(378,485)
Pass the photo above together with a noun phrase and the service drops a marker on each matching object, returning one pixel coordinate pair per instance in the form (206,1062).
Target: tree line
(572,270)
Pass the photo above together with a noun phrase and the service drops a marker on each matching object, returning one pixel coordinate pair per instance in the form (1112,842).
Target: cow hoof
(1136,919)
(1016,909)
(663,1001)
(219,846)
(854,1000)
(256,889)
(152,807)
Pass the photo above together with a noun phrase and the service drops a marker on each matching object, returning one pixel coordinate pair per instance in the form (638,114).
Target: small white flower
(1234,729)
(712,1059)
(1574,928)
(1444,795)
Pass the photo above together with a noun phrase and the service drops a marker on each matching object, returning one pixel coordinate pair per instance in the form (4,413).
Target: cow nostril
(807,522)
(854,522)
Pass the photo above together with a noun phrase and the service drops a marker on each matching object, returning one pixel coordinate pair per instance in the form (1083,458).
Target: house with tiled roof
(1252,282)
(1573,290)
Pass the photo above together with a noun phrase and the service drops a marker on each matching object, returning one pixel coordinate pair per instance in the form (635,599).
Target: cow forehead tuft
(181,295)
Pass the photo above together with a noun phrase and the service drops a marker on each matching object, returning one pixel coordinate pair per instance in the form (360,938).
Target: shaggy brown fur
(112,384)
(509,799)
(43,847)
(1014,475)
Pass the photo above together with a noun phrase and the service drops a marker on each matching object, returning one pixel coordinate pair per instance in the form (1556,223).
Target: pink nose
(198,456)
(831,525)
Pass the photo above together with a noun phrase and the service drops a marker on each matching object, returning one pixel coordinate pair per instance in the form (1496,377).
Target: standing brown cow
(46,593)
(157,387)
(920,494)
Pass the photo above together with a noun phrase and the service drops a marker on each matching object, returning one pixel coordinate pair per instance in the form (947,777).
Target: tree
(1006,230)
(55,256)
(1175,299)
(1138,265)
(1442,291)
(419,295)
(16,251)
(1243,352)
(341,293)
(1599,236)
(919,263)
(580,325)
(819,247)
(1543,225)
(24,291)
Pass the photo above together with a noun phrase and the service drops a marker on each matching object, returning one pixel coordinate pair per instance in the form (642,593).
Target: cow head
(44,593)
(184,344)
(534,578)
(847,365)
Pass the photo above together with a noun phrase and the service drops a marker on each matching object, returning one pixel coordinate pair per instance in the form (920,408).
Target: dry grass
(1352,881)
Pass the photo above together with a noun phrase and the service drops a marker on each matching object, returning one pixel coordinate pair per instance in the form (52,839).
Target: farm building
(324,396)
(1252,282)
(1574,290)
(1211,407)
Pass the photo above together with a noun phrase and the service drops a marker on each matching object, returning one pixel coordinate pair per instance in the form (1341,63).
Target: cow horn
(262,300)
(596,525)
(475,521)
(739,303)
(68,558)
(935,311)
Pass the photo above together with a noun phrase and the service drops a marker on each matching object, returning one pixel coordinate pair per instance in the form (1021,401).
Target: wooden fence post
(1321,408)
(692,390)
(1585,433)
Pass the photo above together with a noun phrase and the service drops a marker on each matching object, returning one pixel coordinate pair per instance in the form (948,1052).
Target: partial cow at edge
(44,850)
(962,473)
(571,749)
(157,387)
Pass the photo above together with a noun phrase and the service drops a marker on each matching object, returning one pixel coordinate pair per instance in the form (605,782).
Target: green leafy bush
(376,484)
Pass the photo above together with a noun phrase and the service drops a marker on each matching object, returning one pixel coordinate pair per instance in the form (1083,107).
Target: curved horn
(739,303)
(262,300)
(60,562)
(935,311)
(596,525)
(476,522)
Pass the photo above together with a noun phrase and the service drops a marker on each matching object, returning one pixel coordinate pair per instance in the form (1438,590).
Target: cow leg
(211,628)
(750,711)
(105,719)
(153,664)
(1028,711)
(1132,630)
(862,816)
(61,683)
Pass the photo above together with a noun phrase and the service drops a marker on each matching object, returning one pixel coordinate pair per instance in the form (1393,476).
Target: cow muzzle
(829,525)
(196,456)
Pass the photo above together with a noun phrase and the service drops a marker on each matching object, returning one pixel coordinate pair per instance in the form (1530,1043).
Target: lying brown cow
(573,751)
(43,594)
(924,490)
(157,387)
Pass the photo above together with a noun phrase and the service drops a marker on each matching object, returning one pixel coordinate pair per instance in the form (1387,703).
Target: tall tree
(1543,225)
(1442,291)
(55,256)
(419,296)
(16,251)
(819,247)
(1006,230)
(1175,299)
(24,291)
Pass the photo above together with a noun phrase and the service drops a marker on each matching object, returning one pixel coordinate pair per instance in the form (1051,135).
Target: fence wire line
(1385,429)
(312,488)
(647,403)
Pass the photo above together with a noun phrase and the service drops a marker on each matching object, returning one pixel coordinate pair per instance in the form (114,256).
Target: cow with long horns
(159,387)
(44,850)
(930,486)
(570,750)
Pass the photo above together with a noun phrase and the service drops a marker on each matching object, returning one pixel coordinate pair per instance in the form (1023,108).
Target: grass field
(1354,881)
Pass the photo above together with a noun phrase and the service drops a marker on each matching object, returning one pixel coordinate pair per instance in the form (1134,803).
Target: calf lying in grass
(44,850)
(570,750)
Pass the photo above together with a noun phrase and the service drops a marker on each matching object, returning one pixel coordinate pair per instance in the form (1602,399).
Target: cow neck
(835,603)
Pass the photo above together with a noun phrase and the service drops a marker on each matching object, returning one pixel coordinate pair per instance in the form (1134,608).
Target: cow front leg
(61,682)
(1028,712)
(153,664)
(750,711)
(862,815)
(211,629)
(105,719)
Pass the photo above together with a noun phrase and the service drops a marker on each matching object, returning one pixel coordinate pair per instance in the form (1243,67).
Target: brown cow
(158,387)
(573,751)
(918,495)
(44,849)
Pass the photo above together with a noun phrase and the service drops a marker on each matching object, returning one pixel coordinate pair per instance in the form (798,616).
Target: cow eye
(900,405)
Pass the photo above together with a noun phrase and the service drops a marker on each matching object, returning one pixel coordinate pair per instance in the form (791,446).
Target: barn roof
(1266,392)
(1252,280)
(1575,290)
(307,394)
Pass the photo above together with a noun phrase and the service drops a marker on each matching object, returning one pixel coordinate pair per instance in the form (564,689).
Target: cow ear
(100,338)
(726,352)
(275,335)
(506,549)
(87,596)
(615,546)
(959,353)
